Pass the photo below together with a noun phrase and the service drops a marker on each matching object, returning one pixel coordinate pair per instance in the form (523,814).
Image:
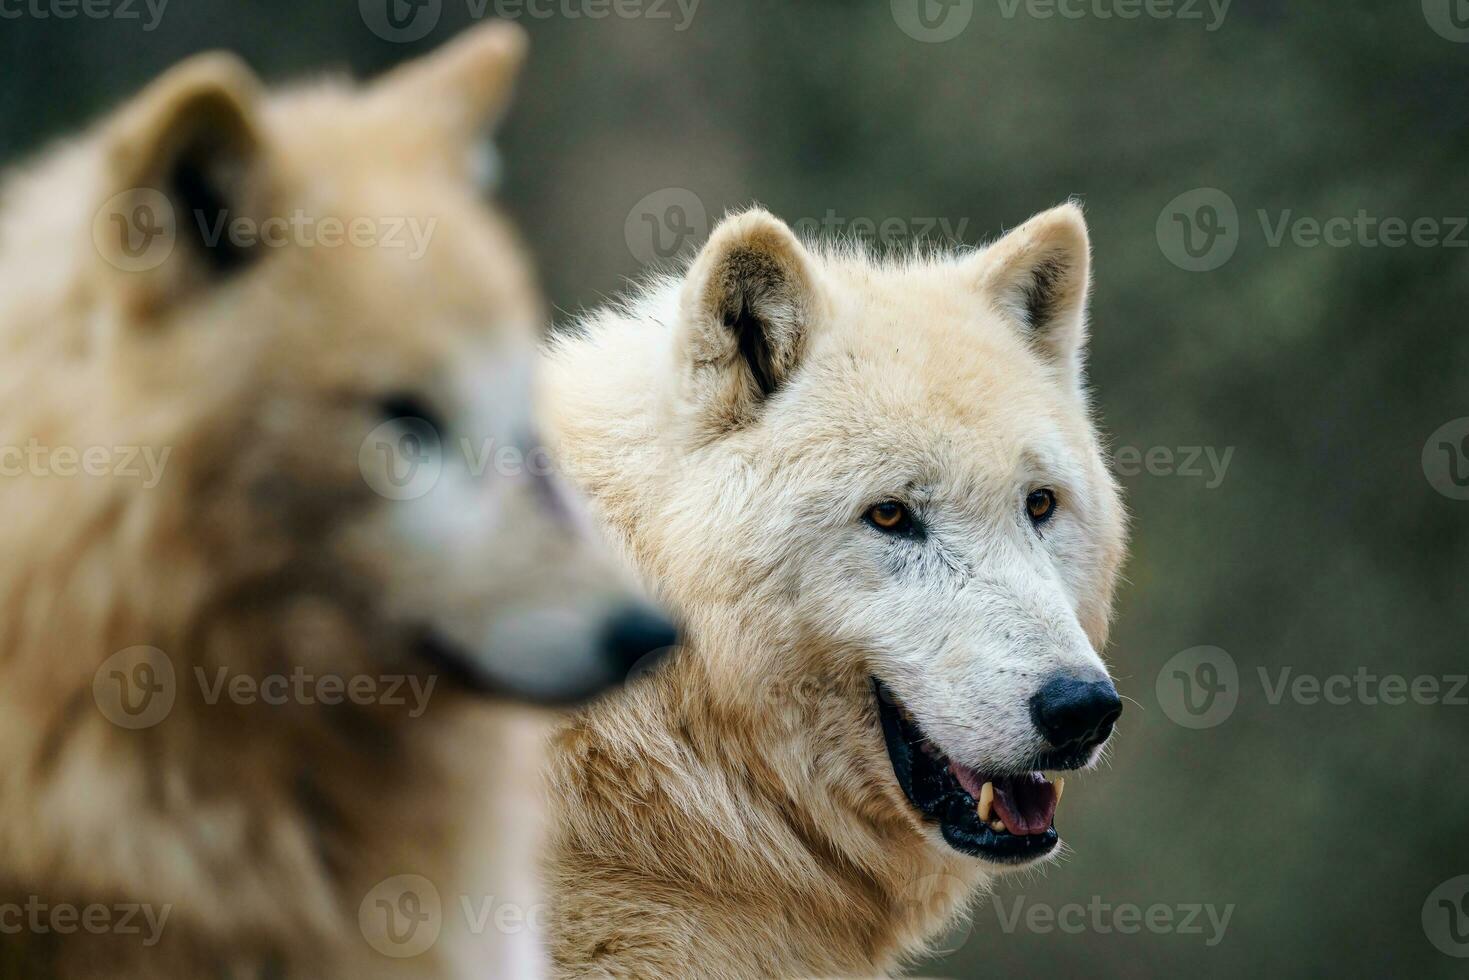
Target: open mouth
(1007,818)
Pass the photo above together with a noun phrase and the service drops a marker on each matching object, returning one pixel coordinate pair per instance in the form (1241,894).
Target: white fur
(950,382)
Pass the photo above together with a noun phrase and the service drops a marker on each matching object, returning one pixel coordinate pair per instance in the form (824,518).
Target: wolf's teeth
(1060,787)
(997,825)
(986,802)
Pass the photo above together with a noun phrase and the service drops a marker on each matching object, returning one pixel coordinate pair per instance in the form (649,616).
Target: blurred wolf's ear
(746,303)
(1039,275)
(463,88)
(184,160)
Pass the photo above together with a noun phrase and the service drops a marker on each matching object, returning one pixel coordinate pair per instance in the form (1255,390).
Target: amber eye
(890,516)
(1040,505)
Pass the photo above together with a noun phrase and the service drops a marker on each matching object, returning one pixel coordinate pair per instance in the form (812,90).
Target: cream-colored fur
(736,814)
(262,548)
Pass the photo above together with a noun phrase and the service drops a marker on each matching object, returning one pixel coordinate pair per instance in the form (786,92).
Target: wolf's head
(297,317)
(890,467)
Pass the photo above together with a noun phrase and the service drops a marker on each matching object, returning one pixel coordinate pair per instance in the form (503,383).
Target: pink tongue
(1026,804)
(972,781)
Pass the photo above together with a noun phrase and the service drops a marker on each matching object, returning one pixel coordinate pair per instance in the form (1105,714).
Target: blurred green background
(1333,543)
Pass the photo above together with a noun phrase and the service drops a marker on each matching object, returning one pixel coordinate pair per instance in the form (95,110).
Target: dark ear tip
(755,230)
(212,81)
(209,97)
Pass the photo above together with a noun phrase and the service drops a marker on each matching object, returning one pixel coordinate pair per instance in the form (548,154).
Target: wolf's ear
(1039,275)
(184,160)
(462,89)
(746,302)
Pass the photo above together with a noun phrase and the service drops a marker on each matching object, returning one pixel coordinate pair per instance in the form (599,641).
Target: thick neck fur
(683,835)
(256,829)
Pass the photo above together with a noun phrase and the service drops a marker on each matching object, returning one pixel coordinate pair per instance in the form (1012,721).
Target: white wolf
(873,491)
(316,629)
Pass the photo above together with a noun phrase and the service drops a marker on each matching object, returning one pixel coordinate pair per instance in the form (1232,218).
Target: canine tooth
(1060,787)
(997,825)
(986,801)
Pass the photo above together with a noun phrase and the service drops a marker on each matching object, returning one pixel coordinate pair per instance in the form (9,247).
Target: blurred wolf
(278,549)
(872,490)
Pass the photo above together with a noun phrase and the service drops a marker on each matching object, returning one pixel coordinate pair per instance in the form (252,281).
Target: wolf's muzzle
(553,661)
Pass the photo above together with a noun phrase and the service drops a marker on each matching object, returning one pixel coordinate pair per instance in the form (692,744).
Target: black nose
(632,634)
(1076,714)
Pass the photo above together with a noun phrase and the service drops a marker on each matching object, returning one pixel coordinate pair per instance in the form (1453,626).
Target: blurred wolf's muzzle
(556,665)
